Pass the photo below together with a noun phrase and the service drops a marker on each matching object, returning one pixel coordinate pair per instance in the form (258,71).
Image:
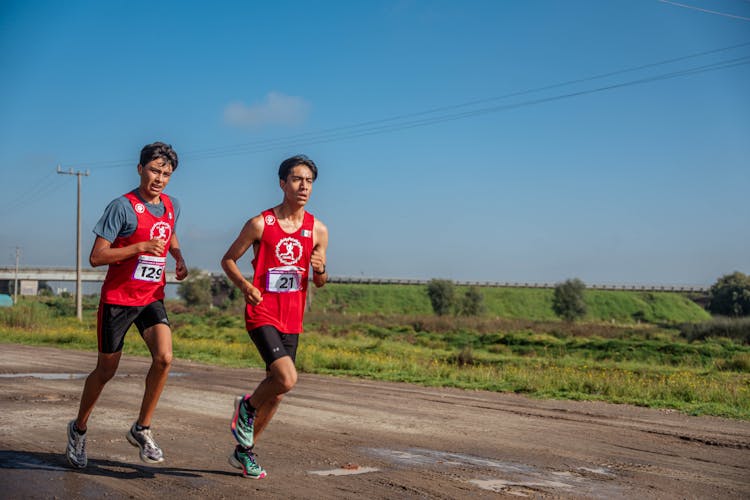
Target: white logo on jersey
(289,251)
(161,230)
(270,219)
(140,208)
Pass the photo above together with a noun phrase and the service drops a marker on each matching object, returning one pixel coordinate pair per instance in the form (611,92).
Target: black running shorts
(272,344)
(114,321)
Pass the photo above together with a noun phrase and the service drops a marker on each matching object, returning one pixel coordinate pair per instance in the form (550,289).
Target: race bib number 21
(283,280)
(150,268)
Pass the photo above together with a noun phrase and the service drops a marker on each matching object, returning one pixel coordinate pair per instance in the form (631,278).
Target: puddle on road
(344,471)
(67,376)
(515,478)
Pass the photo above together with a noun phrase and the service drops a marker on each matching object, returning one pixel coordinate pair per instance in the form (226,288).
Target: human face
(298,185)
(155,176)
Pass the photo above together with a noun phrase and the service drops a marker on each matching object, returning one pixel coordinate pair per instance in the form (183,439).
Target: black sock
(250,408)
(139,427)
(78,431)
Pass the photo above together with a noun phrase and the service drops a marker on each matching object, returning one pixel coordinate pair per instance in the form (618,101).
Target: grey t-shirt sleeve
(176,207)
(119,219)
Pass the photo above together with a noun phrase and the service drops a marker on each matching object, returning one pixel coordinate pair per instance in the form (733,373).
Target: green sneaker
(245,460)
(242,422)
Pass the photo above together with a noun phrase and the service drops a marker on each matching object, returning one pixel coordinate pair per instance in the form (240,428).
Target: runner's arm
(250,233)
(103,254)
(181,270)
(318,258)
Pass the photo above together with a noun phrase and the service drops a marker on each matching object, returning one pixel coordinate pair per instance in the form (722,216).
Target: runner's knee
(162,361)
(286,380)
(103,373)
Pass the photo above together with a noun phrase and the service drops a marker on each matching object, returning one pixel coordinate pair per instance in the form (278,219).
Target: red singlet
(140,280)
(281,268)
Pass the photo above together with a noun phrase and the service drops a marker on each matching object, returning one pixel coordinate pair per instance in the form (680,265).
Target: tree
(223,292)
(730,295)
(196,289)
(568,302)
(441,296)
(472,303)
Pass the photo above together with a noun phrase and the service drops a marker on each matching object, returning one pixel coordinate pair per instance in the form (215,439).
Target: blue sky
(522,141)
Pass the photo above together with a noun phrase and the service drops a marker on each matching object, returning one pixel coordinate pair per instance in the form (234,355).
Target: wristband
(321,272)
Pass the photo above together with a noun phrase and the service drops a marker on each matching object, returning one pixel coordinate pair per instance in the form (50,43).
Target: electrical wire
(405,121)
(692,7)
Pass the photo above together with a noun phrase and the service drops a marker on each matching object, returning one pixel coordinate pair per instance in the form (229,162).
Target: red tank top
(139,280)
(281,266)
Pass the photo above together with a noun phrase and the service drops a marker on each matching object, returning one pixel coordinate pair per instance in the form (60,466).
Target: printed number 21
(286,282)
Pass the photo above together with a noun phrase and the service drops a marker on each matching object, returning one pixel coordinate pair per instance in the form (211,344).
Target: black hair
(292,162)
(158,150)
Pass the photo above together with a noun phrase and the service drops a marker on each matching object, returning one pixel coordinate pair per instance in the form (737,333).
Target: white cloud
(276,109)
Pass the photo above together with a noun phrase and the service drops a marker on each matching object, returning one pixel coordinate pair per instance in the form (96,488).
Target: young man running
(287,241)
(133,237)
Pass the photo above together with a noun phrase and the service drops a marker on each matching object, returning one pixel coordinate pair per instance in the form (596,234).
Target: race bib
(283,280)
(150,268)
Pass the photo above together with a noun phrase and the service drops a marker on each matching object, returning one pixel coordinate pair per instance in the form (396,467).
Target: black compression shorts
(272,344)
(114,321)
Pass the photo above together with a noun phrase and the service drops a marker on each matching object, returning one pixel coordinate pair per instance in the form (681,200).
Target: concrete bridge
(60,274)
(91,275)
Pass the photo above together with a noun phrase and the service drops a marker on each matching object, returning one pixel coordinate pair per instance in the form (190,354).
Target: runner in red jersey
(133,237)
(287,241)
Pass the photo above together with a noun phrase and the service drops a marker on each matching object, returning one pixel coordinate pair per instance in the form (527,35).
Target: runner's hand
(155,246)
(181,270)
(252,295)
(318,260)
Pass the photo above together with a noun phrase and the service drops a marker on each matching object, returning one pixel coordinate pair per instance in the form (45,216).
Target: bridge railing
(90,274)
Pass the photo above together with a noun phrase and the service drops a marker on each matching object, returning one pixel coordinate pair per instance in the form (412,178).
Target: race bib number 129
(150,268)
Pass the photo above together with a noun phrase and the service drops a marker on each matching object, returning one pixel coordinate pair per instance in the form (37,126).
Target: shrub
(733,328)
(730,295)
(196,289)
(472,303)
(567,301)
(441,296)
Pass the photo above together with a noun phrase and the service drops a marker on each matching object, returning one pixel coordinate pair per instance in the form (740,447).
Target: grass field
(627,351)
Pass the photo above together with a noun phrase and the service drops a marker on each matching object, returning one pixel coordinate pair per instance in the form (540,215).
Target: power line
(40,188)
(692,7)
(471,113)
(409,120)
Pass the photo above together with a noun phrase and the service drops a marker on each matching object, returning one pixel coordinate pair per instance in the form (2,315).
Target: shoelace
(79,441)
(149,444)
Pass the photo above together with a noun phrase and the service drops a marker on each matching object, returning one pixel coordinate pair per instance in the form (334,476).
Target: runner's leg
(159,341)
(280,379)
(106,367)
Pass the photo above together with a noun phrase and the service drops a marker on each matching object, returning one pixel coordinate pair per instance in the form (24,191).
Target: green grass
(513,303)
(622,362)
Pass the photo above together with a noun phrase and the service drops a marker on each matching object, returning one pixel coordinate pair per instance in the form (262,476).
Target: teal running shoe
(242,422)
(245,460)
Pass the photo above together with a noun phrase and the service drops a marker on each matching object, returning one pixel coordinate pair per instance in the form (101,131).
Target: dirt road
(345,438)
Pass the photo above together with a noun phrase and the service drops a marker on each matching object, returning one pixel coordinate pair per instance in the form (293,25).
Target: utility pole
(15,284)
(79,290)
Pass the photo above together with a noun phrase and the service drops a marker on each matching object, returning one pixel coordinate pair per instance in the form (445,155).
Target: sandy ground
(346,438)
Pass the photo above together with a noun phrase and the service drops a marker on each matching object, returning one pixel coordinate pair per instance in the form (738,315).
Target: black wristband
(321,272)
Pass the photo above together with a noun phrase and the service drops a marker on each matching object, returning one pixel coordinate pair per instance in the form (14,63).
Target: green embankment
(513,303)
(629,349)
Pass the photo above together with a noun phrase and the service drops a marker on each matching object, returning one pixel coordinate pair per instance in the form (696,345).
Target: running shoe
(242,422)
(150,451)
(245,460)
(76,451)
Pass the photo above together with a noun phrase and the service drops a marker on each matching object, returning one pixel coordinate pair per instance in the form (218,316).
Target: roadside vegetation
(655,349)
